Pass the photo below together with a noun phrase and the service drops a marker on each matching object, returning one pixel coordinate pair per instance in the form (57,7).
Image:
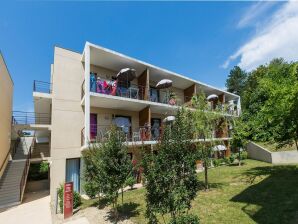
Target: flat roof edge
(155,67)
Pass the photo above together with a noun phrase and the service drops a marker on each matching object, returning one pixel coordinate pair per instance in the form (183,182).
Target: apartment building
(90,91)
(6,93)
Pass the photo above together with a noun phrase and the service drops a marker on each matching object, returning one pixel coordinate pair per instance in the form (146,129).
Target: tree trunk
(122,194)
(206,176)
(296,143)
(239,159)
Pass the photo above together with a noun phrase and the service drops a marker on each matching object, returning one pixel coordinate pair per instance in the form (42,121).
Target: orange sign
(68,199)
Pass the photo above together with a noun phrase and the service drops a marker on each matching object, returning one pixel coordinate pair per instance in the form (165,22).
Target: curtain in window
(73,173)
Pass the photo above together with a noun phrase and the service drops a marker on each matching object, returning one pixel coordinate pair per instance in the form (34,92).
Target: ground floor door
(73,173)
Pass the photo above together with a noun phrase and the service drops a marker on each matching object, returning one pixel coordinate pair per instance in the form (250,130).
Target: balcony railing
(100,133)
(42,87)
(26,118)
(116,88)
(164,96)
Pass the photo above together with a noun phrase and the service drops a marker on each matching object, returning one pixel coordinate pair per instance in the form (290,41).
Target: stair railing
(11,152)
(26,170)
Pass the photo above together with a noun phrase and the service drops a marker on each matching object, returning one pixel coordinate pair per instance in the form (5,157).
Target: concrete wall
(286,157)
(6,95)
(67,113)
(258,153)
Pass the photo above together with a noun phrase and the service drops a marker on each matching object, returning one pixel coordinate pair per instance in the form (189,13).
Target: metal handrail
(41,86)
(23,117)
(11,152)
(26,170)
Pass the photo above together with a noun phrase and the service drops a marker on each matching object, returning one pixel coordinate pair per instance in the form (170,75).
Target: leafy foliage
(185,219)
(171,181)
(130,181)
(236,80)
(107,167)
(77,200)
(204,126)
(270,103)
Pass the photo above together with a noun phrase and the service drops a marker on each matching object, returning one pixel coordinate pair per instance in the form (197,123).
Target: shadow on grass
(125,211)
(273,199)
(211,185)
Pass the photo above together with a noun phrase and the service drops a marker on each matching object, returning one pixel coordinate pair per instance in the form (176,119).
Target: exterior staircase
(13,180)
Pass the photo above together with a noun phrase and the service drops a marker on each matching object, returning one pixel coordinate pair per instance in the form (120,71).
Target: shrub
(226,160)
(91,189)
(130,181)
(243,155)
(38,171)
(186,219)
(77,200)
(44,167)
(216,162)
(232,158)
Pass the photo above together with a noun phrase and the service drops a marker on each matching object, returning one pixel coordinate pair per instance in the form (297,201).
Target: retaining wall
(257,152)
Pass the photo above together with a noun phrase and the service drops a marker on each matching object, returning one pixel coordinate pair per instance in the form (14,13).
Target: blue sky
(202,40)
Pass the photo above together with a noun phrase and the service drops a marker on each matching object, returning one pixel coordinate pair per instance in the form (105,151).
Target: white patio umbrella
(164,83)
(168,119)
(219,148)
(212,96)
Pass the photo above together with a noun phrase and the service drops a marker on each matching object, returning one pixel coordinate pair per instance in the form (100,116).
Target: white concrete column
(239,107)
(87,94)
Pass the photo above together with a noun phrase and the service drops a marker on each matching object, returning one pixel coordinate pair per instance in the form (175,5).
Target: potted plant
(173,98)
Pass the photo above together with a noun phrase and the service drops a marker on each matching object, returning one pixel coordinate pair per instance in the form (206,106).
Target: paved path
(35,209)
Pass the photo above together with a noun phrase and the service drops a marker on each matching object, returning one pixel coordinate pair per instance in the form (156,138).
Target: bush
(243,155)
(216,162)
(232,158)
(38,171)
(130,181)
(77,200)
(91,189)
(227,160)
(44,167)
(186,219)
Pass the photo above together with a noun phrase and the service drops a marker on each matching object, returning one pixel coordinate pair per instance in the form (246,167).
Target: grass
(256,192)
(272,147)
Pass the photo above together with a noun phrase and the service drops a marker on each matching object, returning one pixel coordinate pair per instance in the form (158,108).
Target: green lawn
(256,192)
(272,147)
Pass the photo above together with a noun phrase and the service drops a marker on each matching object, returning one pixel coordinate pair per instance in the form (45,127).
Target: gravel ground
(93,215)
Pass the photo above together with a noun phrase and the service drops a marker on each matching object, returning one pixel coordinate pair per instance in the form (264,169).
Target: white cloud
(278,38)
(254,12)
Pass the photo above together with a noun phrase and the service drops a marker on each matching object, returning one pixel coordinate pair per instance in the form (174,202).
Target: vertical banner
(68,199)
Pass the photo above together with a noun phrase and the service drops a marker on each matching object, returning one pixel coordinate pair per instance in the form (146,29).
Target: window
(155,128)
(124,123)
(154,94)
(73,173)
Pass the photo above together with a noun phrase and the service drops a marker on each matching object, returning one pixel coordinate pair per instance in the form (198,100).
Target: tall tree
(236,80)
(269,103)
(205,123)
(108,166)
(171,181)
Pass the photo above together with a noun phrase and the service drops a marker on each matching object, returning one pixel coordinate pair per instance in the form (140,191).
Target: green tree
(108,166)
(240,134)
(236,80)
(269,103)
(171,181)
(205,123)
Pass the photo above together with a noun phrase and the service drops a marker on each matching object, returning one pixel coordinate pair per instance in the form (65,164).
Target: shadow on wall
(274,199)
